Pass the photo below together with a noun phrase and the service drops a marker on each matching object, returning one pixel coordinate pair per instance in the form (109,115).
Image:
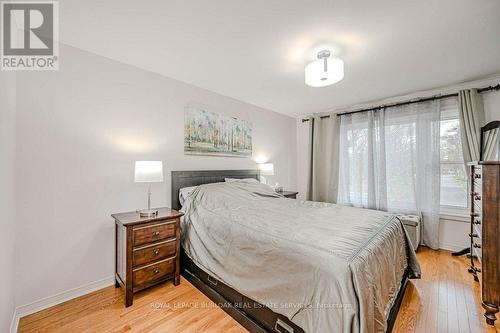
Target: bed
(284,265)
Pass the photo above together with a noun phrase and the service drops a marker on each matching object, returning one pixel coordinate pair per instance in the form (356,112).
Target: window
(453,173)
(389,159)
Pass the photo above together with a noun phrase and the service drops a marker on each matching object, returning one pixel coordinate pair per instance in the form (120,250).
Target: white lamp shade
(316,76)
(148,171)
(266,169)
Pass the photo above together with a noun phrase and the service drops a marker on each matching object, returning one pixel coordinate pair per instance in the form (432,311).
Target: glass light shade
(148,171)
(261,159)
(266,169)
(316,76)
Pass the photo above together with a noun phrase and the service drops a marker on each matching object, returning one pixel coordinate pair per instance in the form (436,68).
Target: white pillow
(241,180)
(184,192)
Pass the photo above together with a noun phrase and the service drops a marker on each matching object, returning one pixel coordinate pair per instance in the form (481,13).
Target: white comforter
(326,267)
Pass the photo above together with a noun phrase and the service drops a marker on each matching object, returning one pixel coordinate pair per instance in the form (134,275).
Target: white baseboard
(47,302)
(14,323)
(451,247)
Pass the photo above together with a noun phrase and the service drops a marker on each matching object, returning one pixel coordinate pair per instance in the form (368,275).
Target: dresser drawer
(477,215)
(154,233)
(478,184)
(154,252)
(477,250)
(478,169)
(478,230)
(478,205)
(144,277)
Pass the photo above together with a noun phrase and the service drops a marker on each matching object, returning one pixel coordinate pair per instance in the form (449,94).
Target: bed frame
(252,315)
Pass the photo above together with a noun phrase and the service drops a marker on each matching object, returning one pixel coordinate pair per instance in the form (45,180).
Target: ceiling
(255,51)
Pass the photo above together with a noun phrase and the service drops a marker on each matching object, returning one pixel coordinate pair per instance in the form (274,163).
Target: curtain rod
(419,100)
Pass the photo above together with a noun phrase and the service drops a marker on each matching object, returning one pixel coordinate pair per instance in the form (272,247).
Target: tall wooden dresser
(485,233)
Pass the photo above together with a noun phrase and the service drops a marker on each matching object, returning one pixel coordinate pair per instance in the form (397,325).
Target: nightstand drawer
(144,277)
(153,233)
(154,252)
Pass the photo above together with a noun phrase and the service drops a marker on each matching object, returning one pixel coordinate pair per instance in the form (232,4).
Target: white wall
(492,105)
(80,129)
(453,233)
(7,197)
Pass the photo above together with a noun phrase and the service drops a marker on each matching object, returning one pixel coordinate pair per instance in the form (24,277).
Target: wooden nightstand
(147,250)
(290,194)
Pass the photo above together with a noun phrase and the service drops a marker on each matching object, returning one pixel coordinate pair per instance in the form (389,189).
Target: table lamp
(266,169)
(148,172)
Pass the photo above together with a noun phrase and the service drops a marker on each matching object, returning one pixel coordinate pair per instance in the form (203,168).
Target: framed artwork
(208,133)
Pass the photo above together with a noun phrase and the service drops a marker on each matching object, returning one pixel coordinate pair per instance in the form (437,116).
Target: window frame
(450,212)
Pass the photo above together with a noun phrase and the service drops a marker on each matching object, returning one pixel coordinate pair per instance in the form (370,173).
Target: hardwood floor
(446,299)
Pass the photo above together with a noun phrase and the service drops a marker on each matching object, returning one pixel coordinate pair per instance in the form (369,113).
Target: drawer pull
(156,252)
(473,235)
(156,234)
(477,176)
(477,197)
(474,214)
(212,280)
(156,270)
(477,221)
(477,246)
(282,327)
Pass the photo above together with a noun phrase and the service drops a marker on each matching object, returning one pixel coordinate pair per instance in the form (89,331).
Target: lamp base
(148,212)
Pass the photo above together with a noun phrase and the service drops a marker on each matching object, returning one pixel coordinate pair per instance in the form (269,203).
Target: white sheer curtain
(389,160)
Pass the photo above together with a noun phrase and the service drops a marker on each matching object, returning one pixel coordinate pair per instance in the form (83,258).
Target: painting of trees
(208,133)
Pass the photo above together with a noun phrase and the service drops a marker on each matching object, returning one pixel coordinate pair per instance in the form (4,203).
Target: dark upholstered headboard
(182,179)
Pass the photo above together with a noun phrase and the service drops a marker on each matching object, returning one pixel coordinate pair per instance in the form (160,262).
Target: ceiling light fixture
(324,71)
